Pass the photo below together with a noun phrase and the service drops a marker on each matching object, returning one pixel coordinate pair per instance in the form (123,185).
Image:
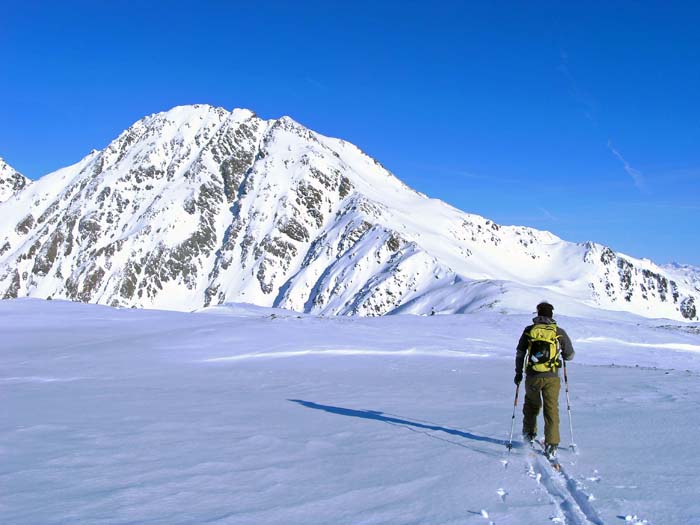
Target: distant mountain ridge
(200,206)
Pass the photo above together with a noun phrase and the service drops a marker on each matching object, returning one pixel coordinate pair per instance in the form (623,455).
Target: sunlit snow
(246,415)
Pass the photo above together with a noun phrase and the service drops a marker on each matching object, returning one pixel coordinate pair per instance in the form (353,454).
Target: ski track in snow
(566,494)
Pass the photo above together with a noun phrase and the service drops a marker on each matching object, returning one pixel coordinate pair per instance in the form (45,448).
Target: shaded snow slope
(200,206)
(246,415)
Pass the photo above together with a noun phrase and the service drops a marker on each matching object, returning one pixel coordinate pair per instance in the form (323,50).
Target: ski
(554,462)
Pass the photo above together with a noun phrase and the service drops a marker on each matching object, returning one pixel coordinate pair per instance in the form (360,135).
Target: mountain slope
(11,181)
(199,206)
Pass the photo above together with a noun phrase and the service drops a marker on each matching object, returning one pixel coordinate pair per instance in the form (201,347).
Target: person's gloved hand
(518,378)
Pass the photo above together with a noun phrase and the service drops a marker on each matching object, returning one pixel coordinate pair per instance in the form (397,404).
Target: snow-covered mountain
(199,206)
(11,181)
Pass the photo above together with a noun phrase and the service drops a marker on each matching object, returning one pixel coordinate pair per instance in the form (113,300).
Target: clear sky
(579,119)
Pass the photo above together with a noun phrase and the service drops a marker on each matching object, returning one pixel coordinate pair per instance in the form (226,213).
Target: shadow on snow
(395,420)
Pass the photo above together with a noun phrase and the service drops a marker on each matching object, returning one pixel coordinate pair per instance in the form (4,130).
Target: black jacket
(567,349)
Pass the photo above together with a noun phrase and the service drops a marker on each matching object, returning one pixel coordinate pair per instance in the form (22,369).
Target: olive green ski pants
(539,391)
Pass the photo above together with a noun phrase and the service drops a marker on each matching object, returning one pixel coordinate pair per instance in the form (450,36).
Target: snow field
(126,416)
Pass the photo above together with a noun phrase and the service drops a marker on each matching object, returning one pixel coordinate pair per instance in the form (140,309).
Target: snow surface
(247,415)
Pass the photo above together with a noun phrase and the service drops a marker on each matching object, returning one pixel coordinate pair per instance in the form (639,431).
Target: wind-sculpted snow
(200,206)
(348,352)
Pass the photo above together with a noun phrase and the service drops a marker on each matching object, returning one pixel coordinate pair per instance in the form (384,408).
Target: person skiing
(545,344)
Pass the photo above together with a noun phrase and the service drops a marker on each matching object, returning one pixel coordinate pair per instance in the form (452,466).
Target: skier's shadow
(411,425)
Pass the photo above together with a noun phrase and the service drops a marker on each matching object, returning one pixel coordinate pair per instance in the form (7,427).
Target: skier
(545,344)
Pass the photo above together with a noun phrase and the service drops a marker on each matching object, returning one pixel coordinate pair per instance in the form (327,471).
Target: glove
(518,378)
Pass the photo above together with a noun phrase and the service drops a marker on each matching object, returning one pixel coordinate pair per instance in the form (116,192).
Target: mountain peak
(199,205)
(11,181)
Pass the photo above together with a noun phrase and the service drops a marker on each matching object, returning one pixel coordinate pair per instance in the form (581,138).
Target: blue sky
(580,119)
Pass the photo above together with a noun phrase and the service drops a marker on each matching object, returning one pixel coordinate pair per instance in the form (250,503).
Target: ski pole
(509,446)
(568,409)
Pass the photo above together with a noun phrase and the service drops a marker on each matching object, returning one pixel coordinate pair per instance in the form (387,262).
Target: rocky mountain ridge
(200,206)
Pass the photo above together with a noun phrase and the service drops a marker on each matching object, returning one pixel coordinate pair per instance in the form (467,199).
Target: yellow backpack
(543,348)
